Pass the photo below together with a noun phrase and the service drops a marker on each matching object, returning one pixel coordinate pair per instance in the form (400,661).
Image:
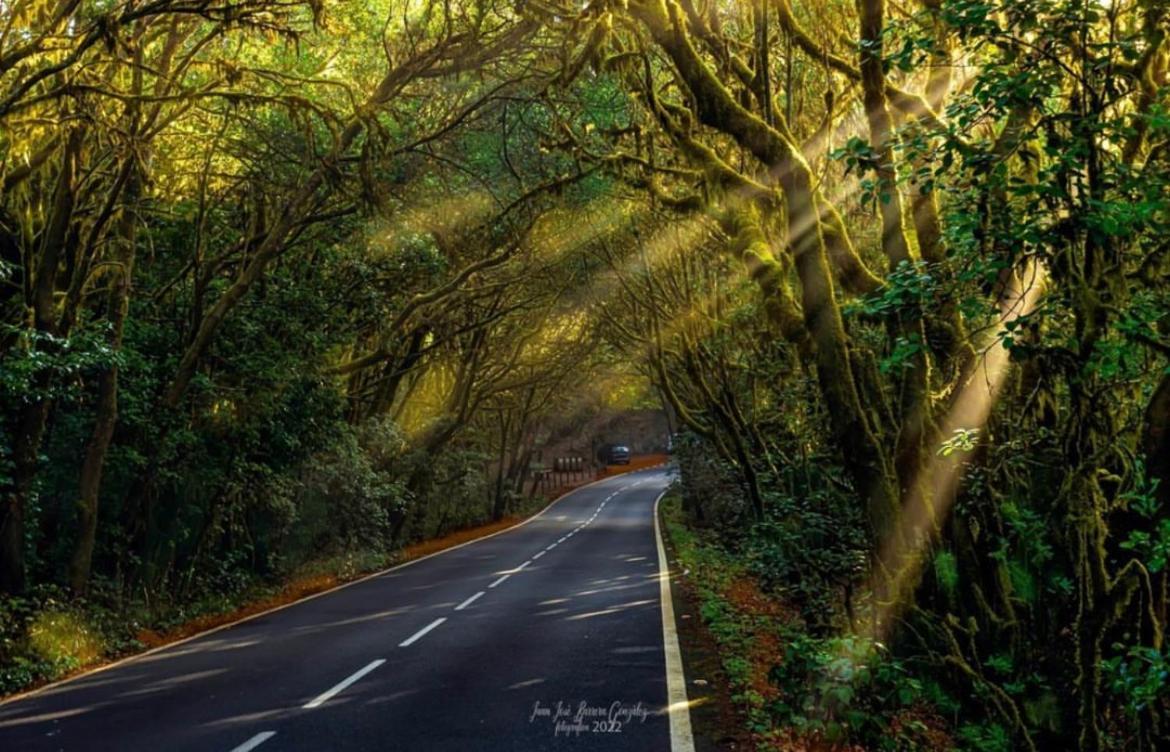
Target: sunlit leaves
(962,440)
(907,289)
(972,18)
(44,366)
(946,571)
(904,355)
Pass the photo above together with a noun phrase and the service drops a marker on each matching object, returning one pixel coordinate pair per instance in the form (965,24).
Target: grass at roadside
(744,623)
(798,692)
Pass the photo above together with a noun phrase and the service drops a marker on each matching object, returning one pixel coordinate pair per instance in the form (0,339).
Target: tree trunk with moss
(30,418)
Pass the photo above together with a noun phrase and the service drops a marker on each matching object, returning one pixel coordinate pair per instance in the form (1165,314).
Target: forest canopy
(284,280)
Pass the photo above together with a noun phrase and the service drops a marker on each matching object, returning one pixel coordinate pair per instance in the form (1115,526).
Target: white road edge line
(254,742)
(497,582)
(198,635)
(419,634)
(469,601)
(677,706)
(329,693)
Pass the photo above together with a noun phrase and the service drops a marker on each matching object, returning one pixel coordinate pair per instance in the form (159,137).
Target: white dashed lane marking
(581,526)
(421,633)
(469,601)
(254,742)
(336,689)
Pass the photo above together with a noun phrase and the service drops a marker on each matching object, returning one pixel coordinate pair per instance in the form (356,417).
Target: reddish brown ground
(293,591)
(718,723)
(765,650)
(726,722)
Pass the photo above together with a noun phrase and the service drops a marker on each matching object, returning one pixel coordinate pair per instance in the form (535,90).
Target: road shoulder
(717,723)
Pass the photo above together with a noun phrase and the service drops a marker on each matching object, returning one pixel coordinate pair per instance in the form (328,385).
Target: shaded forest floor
(734,636)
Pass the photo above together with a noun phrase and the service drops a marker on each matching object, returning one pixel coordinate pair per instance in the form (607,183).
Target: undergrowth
(800,690)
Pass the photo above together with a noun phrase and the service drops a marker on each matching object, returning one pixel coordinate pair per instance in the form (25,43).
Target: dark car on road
(619,455)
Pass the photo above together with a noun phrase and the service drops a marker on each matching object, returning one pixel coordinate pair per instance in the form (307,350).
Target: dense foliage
(276,298)
(932,414)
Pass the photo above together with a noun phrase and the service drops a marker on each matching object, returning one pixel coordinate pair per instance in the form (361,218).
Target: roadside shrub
(348,495)
(43,635)
(848,689)
(712,494)
(811,550)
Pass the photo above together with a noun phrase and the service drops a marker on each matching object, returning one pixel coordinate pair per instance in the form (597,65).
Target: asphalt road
(478,648)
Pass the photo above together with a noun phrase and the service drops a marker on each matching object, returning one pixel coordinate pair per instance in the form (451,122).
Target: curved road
(480,647)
